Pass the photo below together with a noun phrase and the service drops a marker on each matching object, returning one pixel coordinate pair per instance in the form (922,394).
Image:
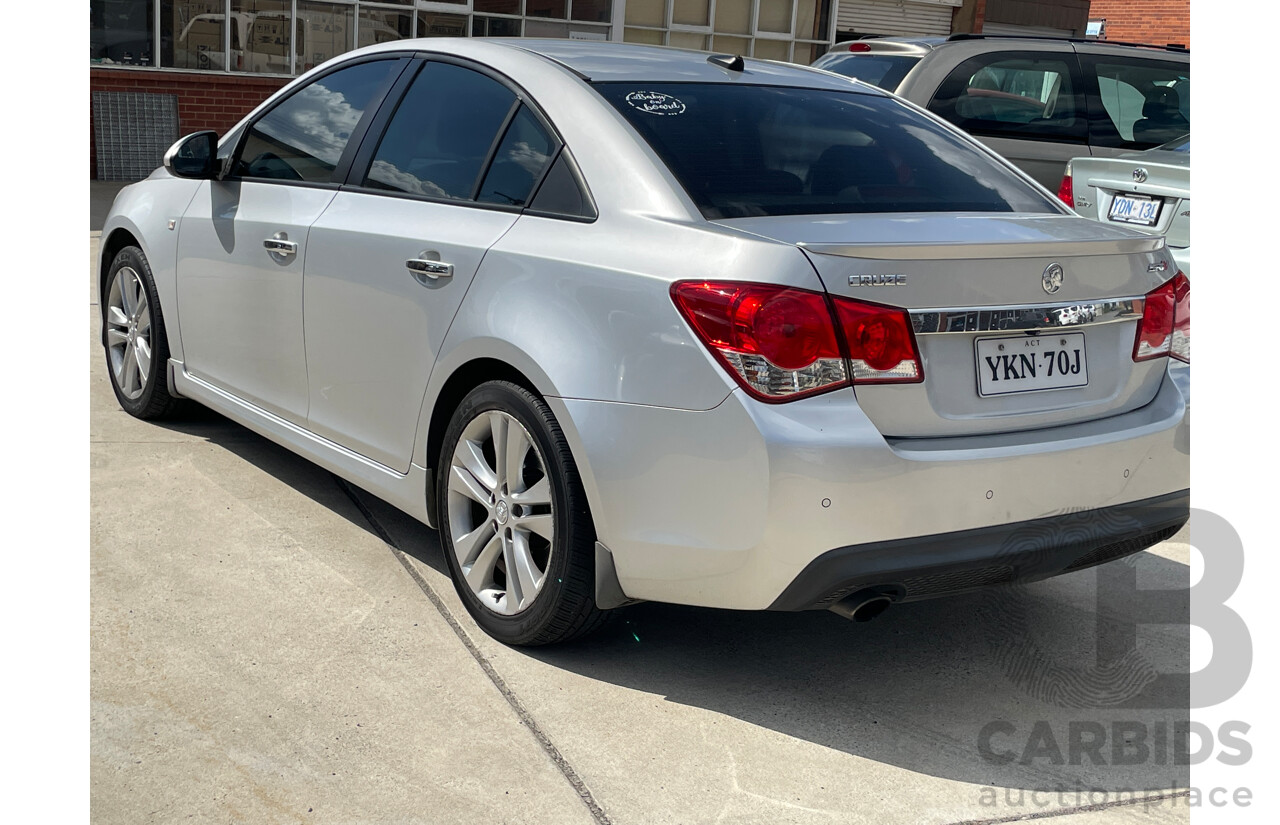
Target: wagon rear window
(745,151)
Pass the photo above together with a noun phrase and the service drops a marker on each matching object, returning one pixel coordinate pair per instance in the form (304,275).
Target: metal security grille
(131,131)
(895,17)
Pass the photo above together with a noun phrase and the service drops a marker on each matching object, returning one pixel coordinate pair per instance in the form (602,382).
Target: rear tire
(510,499)
(134,337)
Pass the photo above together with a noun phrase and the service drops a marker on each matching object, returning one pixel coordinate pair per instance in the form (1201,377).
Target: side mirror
(195,156)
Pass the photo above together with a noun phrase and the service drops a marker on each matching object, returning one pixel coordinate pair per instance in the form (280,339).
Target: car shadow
(1076,683)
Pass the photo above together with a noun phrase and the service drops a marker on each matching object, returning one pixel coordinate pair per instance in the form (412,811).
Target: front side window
(1031,97)
(303,138)
(439,139)
(1144,103)
(744,151)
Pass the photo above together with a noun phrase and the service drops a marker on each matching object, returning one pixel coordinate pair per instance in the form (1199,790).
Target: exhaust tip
(862,606)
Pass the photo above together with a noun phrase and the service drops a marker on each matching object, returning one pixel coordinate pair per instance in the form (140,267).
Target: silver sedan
(628,323)
(1149,191)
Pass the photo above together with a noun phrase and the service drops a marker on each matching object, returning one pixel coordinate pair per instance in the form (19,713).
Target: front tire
(134,337)
(514,523)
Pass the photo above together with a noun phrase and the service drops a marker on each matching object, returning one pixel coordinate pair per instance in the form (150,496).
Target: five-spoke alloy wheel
(133,334)
(514,523)
(501,521)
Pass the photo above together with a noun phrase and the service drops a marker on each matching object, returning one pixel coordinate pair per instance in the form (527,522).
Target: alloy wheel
(129,332)
(501,520)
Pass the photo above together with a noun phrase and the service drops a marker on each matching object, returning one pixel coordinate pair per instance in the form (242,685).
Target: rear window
(745,151)
(883,70)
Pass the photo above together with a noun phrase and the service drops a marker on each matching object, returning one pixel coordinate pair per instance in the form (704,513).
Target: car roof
(921,45)
(604,61)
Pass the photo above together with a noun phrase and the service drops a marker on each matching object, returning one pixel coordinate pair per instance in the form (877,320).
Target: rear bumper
(929,566)
(732,507)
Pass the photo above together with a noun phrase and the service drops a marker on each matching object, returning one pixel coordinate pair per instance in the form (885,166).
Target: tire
(134,337)
(486,528)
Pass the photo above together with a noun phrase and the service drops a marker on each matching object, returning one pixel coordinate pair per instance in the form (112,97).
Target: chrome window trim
(1029,317)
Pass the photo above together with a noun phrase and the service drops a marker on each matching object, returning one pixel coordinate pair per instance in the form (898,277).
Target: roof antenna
(732,62)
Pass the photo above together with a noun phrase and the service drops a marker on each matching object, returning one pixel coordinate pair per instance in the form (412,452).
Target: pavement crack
(1078,809)
(526,718)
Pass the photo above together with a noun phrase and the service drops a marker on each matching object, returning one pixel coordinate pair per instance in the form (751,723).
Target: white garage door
(902,17)
(1036,31)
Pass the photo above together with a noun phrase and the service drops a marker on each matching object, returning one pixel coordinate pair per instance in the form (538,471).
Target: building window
(289,37)
(121,32)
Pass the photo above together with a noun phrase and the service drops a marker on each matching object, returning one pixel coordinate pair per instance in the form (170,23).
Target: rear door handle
(424,270)
(279,246)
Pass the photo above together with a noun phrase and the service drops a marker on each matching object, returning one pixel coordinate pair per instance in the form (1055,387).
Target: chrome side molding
(1018,318)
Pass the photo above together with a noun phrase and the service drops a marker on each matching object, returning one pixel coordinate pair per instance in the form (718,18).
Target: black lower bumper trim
(929,566)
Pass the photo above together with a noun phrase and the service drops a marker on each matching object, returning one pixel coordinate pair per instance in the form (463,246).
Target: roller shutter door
(901,17)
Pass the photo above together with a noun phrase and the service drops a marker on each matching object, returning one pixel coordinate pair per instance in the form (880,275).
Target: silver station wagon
(630,323)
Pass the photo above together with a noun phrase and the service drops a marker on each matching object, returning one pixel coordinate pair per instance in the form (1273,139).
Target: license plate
(1135,209)
(1031,363)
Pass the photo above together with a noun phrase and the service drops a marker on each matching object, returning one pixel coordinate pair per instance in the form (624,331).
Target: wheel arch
(453,378)
(118,239)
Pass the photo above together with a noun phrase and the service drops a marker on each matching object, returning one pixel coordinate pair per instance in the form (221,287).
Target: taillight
(1064,189)
(1166,322)
(859,47)
(882,348)
(781,343)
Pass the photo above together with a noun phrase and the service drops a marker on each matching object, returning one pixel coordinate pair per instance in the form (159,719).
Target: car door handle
(425,270)
(276,246)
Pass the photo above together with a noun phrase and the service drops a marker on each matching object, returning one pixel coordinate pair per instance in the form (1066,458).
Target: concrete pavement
(269,645)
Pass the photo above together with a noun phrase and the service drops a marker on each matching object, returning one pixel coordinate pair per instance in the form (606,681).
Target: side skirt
(408,491)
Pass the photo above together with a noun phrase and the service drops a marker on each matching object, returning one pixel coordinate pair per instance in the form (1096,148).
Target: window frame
(404,59)
(943,100)
(362,160)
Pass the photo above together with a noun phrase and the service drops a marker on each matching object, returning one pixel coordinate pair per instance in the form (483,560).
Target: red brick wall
(1145,21)
(206,100)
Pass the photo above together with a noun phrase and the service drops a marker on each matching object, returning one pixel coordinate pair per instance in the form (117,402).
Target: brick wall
(206,100)
(1145,21)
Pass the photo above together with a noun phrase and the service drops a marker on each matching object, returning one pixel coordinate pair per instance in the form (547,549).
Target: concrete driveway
(270,645)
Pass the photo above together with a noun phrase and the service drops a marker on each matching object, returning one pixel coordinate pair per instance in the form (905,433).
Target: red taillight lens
(859,47)
(1166,322)
(882,348)
(1065,193)
(780,343)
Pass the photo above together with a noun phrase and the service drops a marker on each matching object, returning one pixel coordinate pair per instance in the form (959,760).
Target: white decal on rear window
(656,103)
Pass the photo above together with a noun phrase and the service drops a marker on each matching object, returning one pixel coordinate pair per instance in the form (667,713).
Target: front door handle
(425,270)
(280,246)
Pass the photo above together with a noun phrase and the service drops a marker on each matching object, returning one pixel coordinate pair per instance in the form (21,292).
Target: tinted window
(303,138)
(742,151)
(1144,102)
(883,70)
(562,193)
(1012,95)
(518,164)
(441,133)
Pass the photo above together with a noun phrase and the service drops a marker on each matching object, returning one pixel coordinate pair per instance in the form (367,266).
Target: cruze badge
(1052,278)
(877,280)
(1139,175)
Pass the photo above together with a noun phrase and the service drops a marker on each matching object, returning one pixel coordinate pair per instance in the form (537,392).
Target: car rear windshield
(883,70)
(745,151)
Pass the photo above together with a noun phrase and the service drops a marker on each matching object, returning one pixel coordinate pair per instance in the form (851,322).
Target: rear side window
(440,136)
(744,151)
(519,163)
(1143,103)
(883,70)
(303,138)
(1030,97)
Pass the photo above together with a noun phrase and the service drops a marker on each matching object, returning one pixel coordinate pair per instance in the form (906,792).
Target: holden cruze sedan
(630,323)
